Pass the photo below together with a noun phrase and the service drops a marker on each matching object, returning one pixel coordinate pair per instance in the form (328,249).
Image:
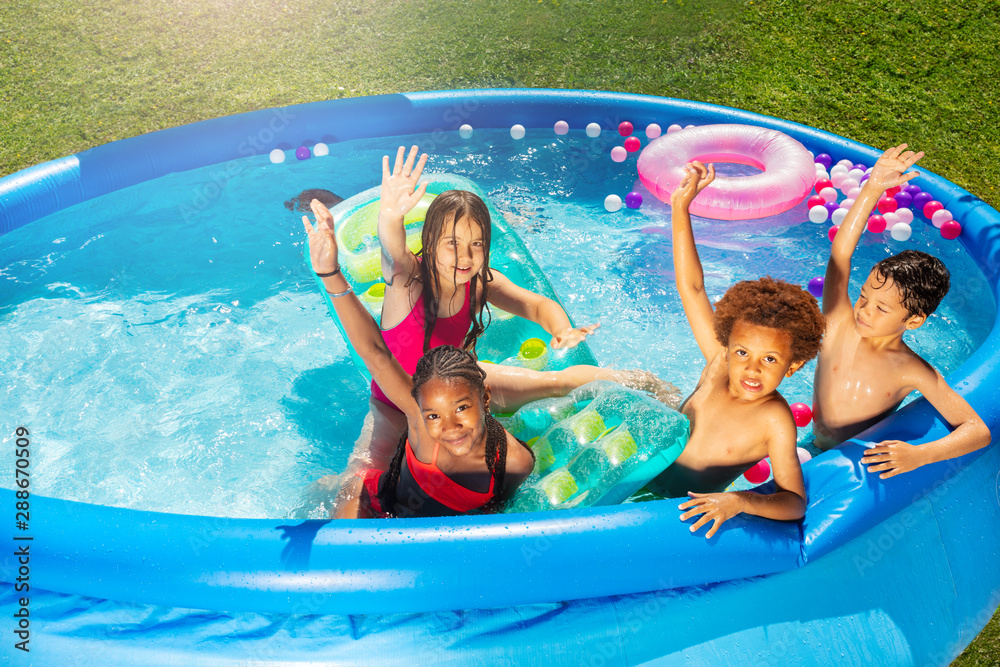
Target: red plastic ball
(632,144)
(823,183)
(876,224)
(893,191)
(758,473)
(932,207)
(625,128)
(833,232)
(802,414)
(951,229)
(815,200)
(887,205)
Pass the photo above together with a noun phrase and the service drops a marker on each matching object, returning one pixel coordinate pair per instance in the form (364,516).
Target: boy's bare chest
(723,429)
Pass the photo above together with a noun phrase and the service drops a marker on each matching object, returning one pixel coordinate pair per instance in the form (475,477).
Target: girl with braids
(453,457)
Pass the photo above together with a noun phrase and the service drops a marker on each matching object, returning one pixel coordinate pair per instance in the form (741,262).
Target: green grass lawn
(73,76)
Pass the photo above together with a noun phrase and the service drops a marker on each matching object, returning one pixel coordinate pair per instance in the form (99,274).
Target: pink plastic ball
(618,153)
(302,153)
(674,128)
(653,131)
(561,127)
(893,191)
(803,455)
(876,224)
(815,200)
(801,413)
(887,205)
(932,207)
(625,128)
(829,194)
(632,144)
(832,232)
(759,473)
(951,229)
(941,216)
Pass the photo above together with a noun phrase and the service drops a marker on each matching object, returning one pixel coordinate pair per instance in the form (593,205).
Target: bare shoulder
(519,459)
(916,371)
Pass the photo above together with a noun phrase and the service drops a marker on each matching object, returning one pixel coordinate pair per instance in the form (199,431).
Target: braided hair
(450,363)
(454,205)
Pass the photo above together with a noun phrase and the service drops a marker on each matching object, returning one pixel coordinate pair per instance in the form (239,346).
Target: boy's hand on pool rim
(890,169)
(399,193)
(893,457)
(696,178)
(715,507)
(322,242)
(572,336)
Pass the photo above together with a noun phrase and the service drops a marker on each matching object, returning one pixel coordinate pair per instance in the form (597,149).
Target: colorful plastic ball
(759,473)
(846,164)
(321,149)
(517,131)
(825,160)
(838,179)
(853,193)
(618,153)
(951,229)
(891,219)
(688,126)
(832,207)
(832,232)
(837,217)
(856,174)
(593,130)
(801,413)
(876,224)
(849,184)
(911,189)
(302,153)
(940,217)
(829,194)
(822,184)
(893,191)
(818,214)
(674,128)
(859,167)
(653,131)
(632,144)
(465,131)
(561,127)
(839,169)
(803,455)
(816,287)
(847,204)
(863,179)
(901,231)
(932,207)
(277,156)
(625,128)
(612,203)
(921,199)
(633,200)
(903,199)
(815,200)
(887,205)
(905,215)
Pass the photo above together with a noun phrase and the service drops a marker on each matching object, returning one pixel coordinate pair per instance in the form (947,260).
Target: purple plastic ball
(859,166)
(816,287)
(831,206)
(863,179)
(302,153)
(824,160)
(633,200)
(921,199)
(903,199)
(912,189)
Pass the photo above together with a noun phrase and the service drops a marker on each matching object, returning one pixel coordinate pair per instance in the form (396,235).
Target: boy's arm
(787,503)
(548,314)
(892,457)
(687,266)
(399,194)
(888,172)
(361,329)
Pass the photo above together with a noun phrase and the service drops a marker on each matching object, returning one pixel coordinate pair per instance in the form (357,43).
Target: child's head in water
(456,250)
(900,293)
(770,328)
(450,389)
(301,201)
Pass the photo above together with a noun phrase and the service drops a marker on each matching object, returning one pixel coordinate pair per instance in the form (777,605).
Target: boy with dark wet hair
(865,370)
(302,201)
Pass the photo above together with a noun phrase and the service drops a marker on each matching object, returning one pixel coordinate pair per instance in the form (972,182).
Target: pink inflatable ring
(788,170)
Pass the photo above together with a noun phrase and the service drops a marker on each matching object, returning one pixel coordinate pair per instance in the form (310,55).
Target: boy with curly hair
(760,332)
(865,370)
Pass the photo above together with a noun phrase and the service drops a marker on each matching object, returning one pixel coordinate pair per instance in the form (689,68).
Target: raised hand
(322,242)
(890,169)
(696,178)
(399,187)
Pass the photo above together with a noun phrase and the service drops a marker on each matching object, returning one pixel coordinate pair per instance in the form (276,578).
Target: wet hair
(453,205)
(774,304)
(449,363)
(300,202)
(921,279)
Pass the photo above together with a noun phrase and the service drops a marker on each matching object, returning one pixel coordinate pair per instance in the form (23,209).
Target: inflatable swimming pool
(894,572)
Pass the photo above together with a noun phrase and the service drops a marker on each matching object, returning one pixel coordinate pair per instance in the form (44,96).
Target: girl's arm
(687,266)
(361,329)
(399,194)
(888,172)
(548,314)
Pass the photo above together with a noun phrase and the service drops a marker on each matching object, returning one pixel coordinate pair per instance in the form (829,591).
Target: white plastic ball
(517,131)
(803,454)
(818,213)
(940,217)
(821,175)
(856,174)
(561,127)
(593,130)
(829,194)
(847,204)
(838,216)
(277,156)
(321,149)
(653,131)
(846,163)
(848,184)
(674,128)
(688,126)
(853,193)
(612,203)
(891,219)
(838,179)
(618,153)
(839,169)
(465,131)
(905,215)
(901,231)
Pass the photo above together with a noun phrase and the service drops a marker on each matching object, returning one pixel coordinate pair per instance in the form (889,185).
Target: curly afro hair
(774,304)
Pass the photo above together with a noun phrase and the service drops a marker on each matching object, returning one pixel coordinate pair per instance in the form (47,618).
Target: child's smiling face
(758,358)
(454,413)
(460,251)
(879,310)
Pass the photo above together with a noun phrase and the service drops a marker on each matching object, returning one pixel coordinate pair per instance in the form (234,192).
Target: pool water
(166,346)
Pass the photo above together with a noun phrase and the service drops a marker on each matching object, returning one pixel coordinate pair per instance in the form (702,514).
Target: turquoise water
(167,348)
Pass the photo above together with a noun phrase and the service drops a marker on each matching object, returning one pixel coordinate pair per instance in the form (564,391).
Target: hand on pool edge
(893,457)
(716,507)
(572,336)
